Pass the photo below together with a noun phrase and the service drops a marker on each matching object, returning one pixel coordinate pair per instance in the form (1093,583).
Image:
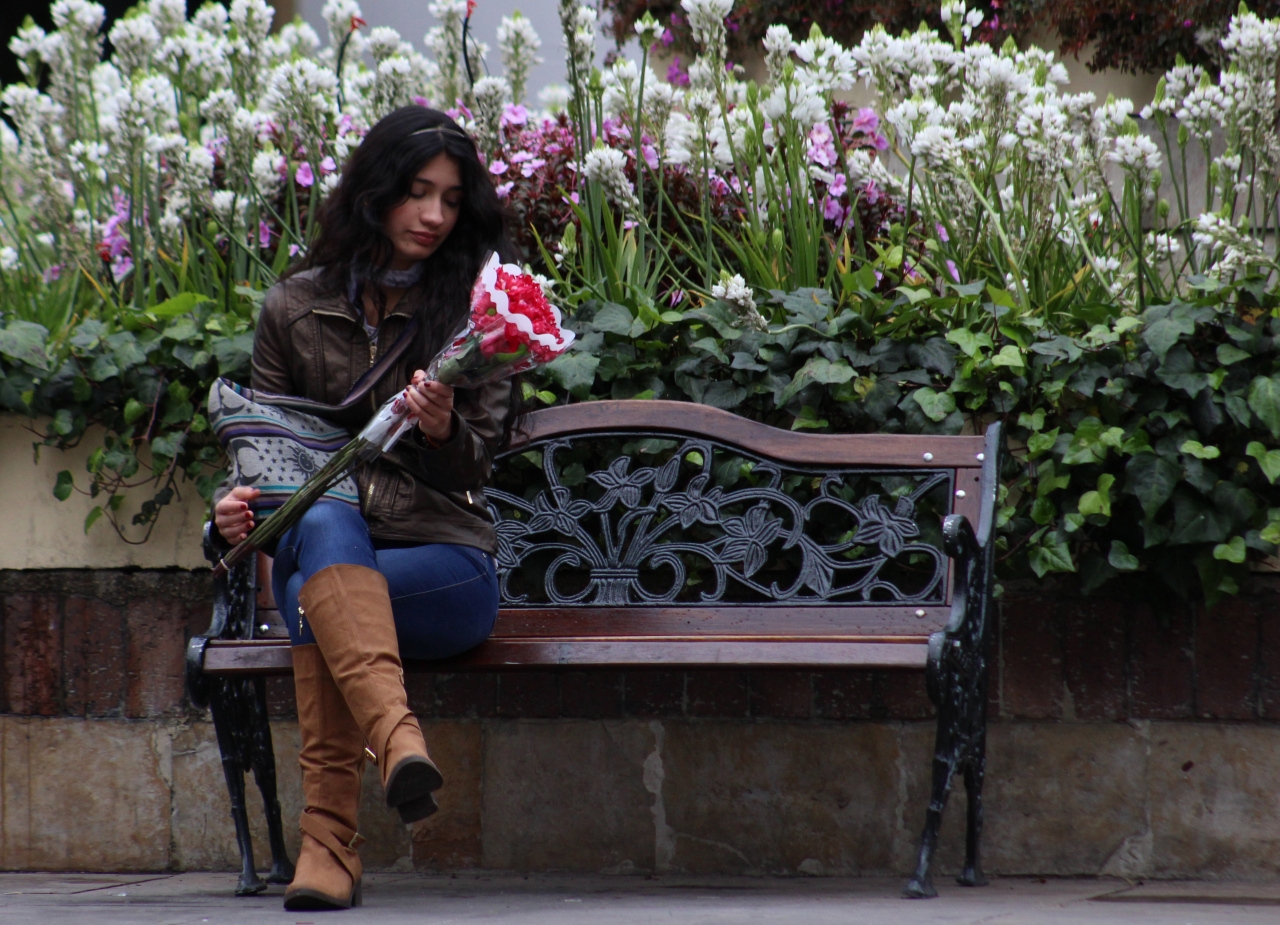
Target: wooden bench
(653,533)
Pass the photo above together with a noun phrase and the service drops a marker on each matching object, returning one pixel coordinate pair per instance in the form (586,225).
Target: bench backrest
(657,518)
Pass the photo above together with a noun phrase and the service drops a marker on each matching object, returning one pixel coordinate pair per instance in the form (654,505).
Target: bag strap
(359,392)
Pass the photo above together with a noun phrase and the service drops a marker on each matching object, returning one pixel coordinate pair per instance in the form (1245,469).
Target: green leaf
(1098,502)
(1050,555)
(1198,450)
(24,341)
(63,422)
(1151,479)
(914,295)
(1264,401)
(1009,355)
(1228,354)
(968,341)
(574,372)
(613,319)
(1041,443)
(62,487)
(133,409)
(1231,551)
(92,517)
(1032,421)
(1162,334)
(180,304)
(1121,559)
(935,405)
(1268,460)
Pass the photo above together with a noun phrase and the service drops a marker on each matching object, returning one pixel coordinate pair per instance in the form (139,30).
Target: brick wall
(111,644)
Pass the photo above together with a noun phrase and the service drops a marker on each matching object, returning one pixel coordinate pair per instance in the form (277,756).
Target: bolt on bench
(669,534)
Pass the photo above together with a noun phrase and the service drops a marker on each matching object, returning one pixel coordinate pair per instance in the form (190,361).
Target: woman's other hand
(233,517)
(431,404)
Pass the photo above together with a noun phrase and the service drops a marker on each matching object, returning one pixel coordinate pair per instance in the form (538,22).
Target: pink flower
(839,186)
(951,267)
(942,233)
(422,101)
(650,155)
(303,176)
(677,296)
(327,166)
(667,37)
(881,143)
(504,189)
(497,168)
(294,250)
(832,210)
(822,149)
(527,170)
(866,121)
(264,234)
(514,115)
(55,271)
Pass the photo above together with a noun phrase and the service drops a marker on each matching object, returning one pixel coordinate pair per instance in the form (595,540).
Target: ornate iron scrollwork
(708,523)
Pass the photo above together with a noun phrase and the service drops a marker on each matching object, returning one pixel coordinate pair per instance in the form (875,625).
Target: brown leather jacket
(313,344)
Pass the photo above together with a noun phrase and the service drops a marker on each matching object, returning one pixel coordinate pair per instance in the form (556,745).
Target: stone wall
(1126,738)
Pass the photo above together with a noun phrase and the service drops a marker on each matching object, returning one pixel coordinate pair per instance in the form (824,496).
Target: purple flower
(527,170)
(668,37)
(866,121)
(327,166)
(504,189)
(839,186)
(955,274)
(422,101)
(833,210)
(942,232)
(513,115)
(881,143)
(55,271)
(294,250)
(264,234)
(650,155)
(520,157)
(822,148)
(303,176)
(677,296)
(497,168)
(676,75)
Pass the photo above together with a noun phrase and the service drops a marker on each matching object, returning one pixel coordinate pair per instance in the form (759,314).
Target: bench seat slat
(778,620)
(228,657)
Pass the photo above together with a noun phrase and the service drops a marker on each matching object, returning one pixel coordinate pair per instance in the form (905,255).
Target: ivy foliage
(1145,442)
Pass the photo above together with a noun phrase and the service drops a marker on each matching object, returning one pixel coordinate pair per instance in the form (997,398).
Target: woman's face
(420,224)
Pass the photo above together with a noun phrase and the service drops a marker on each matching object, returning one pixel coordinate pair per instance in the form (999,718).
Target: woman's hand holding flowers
(431,405)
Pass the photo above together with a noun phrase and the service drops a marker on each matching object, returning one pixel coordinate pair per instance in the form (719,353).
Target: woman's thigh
(444,597)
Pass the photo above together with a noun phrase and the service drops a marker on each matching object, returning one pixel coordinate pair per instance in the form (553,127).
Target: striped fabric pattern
(274,449)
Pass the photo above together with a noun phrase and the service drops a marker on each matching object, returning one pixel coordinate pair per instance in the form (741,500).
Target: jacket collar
(338,305)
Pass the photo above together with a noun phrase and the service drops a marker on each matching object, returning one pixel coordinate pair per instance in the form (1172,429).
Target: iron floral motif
(644,520)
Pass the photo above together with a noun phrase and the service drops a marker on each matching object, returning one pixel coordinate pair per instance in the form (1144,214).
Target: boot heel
(357,897)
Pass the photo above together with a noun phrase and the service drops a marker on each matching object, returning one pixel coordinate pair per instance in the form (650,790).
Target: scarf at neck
(391,279)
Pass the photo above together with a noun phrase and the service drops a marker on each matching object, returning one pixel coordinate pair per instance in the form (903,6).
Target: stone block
(1060,798)
(154,659)
(654,693)
(1226,643)
(89,795)
(1214,811)
(533,694)
(843,695)
(1094,653)
(1161,662)
(569,795)
(778,798)
(420,687)
(451,839)
(591,694)
(1030,655)
(93,657)
(781,694)
(32,654)
(723,694)
(1269,658)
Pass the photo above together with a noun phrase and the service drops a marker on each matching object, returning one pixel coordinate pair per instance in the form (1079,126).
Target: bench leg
(222,705)
(920,886)
(264,774)
(975,771)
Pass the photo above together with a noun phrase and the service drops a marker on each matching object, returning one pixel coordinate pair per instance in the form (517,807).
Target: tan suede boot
(328,872)
(349,610)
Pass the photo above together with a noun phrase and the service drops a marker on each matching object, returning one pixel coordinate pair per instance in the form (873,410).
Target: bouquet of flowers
(512,328)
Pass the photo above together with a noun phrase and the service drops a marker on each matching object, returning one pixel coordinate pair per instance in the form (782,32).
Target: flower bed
(983,244)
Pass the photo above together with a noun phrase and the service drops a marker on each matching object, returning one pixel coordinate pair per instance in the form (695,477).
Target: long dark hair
(376,179)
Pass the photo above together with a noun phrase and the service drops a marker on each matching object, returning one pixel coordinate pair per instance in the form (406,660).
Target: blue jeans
(444,597)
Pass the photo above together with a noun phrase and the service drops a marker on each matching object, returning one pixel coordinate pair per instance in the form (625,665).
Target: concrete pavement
(548,899)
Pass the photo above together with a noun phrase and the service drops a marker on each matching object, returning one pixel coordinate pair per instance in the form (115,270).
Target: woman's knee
(330,517)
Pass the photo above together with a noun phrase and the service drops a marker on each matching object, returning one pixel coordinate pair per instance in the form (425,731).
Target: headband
(444,130)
